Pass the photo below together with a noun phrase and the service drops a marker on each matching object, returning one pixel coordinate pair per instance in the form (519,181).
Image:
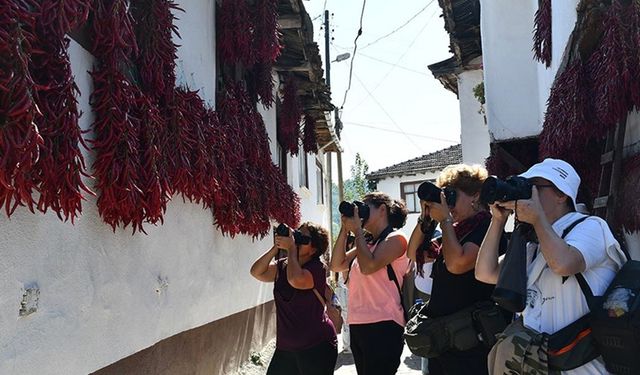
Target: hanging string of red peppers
(309,140)
(595,92)
(289,116)
(542,33)
(61,164)
(20,140)
(151,139)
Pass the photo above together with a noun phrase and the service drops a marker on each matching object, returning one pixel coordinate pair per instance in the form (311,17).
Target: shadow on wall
(219,347)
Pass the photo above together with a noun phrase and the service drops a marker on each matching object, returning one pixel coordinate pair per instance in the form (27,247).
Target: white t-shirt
(424,283)
(552,305)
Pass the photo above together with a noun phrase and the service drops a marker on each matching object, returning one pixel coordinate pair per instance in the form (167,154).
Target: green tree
(355,188)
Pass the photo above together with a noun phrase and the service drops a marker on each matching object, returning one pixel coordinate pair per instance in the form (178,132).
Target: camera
(510,189)
(346,208)
(429,192)
(298,237)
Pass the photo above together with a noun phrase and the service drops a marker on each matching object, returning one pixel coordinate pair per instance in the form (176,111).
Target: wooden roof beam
(290,21)
(304,67)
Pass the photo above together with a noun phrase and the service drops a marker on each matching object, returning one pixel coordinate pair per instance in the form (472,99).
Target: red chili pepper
(19,136)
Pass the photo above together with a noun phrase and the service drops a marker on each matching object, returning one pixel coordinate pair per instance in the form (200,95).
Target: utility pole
(327,39)
(327,57)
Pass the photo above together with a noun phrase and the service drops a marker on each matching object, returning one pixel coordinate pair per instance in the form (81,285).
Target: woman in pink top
(376,318)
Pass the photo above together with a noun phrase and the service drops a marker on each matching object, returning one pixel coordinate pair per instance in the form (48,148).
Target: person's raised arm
(487,264)
(457,258)
(386,252)
(563,259)
(263,268)
(417,236)
(339,252)
(297,276)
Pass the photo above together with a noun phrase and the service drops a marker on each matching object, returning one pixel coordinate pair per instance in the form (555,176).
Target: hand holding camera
(437,200)
(286,239)
(515,194)
(354,215)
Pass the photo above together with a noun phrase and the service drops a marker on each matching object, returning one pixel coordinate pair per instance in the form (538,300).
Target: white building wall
(510,72)
(103,295)
(391,186)
(474,132)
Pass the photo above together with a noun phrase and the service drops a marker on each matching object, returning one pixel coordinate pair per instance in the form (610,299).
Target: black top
(451,292)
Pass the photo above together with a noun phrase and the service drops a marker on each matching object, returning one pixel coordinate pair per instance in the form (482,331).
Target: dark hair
(396,209)
(319,237)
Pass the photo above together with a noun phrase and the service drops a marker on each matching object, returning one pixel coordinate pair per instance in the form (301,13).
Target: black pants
(376,347)
(453,362)
(318,360)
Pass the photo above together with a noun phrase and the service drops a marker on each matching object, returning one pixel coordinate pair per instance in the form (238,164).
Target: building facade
(83,298)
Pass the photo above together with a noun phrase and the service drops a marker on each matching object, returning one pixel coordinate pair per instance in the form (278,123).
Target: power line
(400,27)
(397,62)
(388,115)
(395,65)
(399,132)
(337,48)
(353,56)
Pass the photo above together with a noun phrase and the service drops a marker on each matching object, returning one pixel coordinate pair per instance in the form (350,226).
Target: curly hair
(468,178)
(319,237)
(397,209)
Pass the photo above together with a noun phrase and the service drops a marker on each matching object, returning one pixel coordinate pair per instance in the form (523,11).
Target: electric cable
(353,56)
(400,27)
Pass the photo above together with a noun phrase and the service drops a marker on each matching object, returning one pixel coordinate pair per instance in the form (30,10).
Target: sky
(395,109)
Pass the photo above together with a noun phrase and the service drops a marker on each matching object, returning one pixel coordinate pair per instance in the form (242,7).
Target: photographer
(305,339)
(554,298)
(463,225)
(376,317)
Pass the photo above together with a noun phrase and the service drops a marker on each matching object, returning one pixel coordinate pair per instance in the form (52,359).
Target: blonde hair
(468,178)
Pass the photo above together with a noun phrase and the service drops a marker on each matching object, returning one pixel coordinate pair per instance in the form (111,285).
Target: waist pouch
(462,330)
(521,350)
(573,345)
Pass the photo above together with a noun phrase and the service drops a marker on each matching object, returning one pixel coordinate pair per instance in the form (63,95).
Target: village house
(402,180)
(81,297)
(553,73)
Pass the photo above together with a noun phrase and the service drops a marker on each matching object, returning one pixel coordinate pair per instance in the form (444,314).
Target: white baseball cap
(558,172)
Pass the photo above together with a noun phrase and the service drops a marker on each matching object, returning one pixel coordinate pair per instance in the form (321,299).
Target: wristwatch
(420,220)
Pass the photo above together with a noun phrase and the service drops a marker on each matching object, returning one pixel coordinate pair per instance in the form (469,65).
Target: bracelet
(420,220)
(448,219)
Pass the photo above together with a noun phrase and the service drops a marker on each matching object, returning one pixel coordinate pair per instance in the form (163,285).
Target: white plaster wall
(510,72)
(391,186)
(309,207)
(196,65)
(269,116)
(105,295)
(474,132)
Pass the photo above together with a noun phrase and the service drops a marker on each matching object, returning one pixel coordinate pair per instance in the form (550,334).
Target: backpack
(407,292)
(615,320)
(612,326)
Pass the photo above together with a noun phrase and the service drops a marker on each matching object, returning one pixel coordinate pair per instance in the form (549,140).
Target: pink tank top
(374,298)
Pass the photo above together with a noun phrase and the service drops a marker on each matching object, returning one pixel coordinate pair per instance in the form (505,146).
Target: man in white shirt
(554,298)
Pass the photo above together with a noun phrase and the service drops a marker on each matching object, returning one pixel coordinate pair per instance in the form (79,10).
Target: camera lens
(346,208)
(429,192)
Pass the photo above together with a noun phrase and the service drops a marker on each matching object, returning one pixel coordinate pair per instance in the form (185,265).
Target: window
(409,192)
(303,170)
(319,183)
